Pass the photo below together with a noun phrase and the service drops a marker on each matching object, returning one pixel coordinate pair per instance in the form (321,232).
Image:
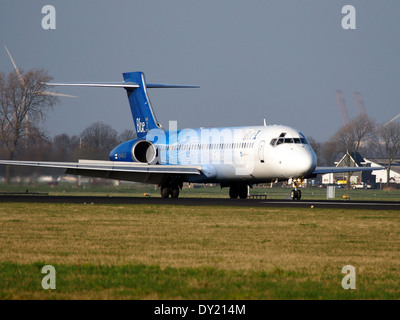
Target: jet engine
(145,152)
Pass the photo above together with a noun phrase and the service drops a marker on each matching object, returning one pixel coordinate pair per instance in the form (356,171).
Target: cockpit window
(303,138)
(281,140)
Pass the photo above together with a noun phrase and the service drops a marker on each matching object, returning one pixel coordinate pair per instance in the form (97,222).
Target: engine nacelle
(145,152)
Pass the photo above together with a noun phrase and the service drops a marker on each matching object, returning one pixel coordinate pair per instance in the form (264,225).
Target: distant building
(357,178)
(365,177)
(381,175)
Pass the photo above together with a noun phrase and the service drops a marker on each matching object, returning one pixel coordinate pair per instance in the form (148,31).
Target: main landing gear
(295,194)
(170,190)
(238,190)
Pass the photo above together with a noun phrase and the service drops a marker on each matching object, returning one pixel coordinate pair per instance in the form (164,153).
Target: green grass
(171,252)
(138,190)
(90,281)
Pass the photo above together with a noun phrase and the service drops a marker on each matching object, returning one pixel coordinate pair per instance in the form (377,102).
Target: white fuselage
(248,154)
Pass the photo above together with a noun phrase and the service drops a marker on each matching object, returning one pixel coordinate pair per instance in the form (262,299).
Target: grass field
(174,252)
(138,190)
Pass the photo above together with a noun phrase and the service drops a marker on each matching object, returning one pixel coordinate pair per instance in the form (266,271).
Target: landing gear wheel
(168,190)
(295,194)
(243,191)
(175,192)
(238,190)
(233,192)
(165,192)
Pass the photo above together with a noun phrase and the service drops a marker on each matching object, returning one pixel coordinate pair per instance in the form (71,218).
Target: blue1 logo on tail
(140,126)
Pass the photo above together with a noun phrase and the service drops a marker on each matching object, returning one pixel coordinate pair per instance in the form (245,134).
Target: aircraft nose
(306,162)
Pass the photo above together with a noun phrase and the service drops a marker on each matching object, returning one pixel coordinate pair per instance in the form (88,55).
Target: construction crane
(360,103)
(342,107)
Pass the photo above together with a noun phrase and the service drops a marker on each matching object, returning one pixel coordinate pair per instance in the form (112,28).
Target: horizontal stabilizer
(162,85)
(121,85)
(98,84)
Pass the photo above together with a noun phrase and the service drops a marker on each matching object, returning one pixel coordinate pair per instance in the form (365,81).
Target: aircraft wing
(323,170)
(130,171)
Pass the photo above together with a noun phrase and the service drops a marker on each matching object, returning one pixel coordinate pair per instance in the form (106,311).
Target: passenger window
(273,142)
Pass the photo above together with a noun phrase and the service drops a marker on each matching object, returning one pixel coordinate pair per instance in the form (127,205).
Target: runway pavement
(38,198)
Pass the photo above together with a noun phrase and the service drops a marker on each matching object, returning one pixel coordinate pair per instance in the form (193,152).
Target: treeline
(95,143)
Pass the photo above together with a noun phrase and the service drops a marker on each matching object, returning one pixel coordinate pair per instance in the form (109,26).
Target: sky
(279,60)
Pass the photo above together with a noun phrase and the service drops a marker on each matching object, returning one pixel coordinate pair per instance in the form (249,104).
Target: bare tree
(329,152)
(387,144)
(65,148)
(316,146)
(97,140)
(36,146)
(351,137)
(24,104)
(127,135)
(355,134)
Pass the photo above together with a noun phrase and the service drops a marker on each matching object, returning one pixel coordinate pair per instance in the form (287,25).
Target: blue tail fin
(136,87)
(142,112)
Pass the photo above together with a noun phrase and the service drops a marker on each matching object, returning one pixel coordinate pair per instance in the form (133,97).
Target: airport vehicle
(234,157)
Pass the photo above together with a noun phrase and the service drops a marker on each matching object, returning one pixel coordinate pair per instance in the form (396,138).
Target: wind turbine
(23,84)
(392,119)
(21,80)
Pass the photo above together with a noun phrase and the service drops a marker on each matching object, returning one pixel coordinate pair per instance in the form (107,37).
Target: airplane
(234,157)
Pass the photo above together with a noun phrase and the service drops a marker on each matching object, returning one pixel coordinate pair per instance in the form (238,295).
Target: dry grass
(314,242)
(226,238)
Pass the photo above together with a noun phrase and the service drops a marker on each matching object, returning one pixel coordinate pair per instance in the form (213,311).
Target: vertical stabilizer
(142,112)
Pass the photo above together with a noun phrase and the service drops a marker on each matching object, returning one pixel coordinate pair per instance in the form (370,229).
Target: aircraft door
(261,151)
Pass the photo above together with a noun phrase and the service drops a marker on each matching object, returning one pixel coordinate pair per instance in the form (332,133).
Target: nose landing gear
(295,194)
